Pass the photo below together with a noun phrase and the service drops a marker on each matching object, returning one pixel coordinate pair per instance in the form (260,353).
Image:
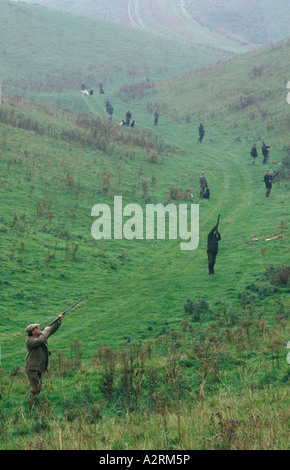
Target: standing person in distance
(268,182)
(128,117)
(201,131)
(254,153)
(156,116)
(110,111)
(101,89)
(265,152)
(202,184)
(212,247)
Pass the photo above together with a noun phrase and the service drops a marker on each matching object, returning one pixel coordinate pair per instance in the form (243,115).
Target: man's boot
(210,269)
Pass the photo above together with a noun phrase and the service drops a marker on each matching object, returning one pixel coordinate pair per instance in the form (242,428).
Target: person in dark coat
(101,89)
(212,248)
(268,182)
(108,104)
(156,116)
(202,184)
(36,360)
(128,116)
(110,111)
(265,152)
(201,131)
(254,153)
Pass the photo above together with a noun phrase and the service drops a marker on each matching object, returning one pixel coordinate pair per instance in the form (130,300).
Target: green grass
(48,50)
(260,22)
(229,25)
(130,352)
(73,417)
(112,11)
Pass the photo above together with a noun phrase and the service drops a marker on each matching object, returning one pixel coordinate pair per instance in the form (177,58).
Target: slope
(56,165)
(236,26)
(44,50)
(246,97)
(259,21)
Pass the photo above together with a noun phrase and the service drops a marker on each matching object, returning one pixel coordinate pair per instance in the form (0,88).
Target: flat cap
(31,327)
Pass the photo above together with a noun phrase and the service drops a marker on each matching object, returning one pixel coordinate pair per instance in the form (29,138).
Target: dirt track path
(169,18)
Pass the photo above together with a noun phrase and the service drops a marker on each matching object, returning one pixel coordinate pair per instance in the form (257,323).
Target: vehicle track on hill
(134,18)
(169,18)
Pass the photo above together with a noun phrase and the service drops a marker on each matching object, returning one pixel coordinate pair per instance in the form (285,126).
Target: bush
(278,275)
(284,172)
(135,90)
(196,309)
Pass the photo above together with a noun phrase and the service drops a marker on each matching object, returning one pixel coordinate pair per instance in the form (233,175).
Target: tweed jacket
(37,350)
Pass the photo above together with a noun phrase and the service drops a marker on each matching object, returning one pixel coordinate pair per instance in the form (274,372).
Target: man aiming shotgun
(36,361)
(212,246)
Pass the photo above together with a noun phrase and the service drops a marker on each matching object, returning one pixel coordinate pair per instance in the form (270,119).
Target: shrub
(135,90)
(257,71)
(196,309)
(278,275)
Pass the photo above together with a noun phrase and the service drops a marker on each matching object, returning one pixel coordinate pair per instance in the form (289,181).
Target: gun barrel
(63,313)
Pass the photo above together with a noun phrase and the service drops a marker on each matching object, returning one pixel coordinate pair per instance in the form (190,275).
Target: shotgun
(63,313)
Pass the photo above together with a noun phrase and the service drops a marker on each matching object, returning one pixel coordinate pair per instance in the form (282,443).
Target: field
(246,21)
(45,50)
(234,26)
(158,355)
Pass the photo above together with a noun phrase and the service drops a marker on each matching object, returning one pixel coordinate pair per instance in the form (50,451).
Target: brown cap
(31,327)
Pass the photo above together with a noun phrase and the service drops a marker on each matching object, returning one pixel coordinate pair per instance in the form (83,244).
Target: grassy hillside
(113,11)
(258,21)
(231,25)
(246,97)
(156,340)
(45,50)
